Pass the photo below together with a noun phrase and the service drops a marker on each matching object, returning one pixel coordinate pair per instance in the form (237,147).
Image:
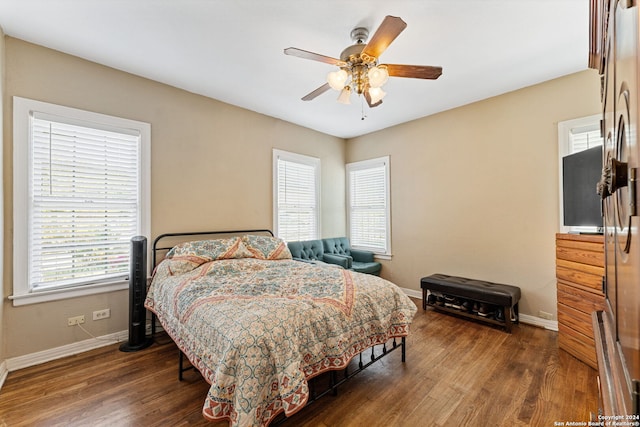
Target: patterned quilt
(257,324)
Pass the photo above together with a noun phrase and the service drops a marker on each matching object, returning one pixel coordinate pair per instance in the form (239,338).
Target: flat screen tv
(581,171)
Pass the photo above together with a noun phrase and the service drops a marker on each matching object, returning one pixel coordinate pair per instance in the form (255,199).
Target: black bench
(505,297)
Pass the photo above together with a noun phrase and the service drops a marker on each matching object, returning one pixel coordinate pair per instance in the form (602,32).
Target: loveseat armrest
(361,255)
(341,260)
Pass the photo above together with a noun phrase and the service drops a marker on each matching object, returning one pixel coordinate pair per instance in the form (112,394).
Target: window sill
(59,294)
(385,257)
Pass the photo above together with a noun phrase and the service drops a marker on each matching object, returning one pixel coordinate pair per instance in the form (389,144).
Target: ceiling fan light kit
(359,70)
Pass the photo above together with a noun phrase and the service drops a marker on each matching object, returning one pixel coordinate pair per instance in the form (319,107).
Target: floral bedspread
(257,327)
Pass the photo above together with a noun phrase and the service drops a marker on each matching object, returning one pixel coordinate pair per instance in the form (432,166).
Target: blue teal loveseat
(336,250)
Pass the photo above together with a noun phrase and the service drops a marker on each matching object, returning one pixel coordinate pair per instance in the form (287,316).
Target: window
(574,136)
(296,193)
(368,210)
(81,192)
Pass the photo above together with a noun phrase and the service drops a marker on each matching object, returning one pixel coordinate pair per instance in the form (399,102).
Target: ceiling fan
(359,70)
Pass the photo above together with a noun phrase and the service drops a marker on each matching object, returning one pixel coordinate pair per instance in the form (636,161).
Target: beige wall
(475,189)
(211,169)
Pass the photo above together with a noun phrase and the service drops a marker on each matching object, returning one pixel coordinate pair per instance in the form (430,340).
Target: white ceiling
(232,50)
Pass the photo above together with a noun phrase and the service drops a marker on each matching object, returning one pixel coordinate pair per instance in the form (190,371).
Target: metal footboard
(337,378)
(334,382)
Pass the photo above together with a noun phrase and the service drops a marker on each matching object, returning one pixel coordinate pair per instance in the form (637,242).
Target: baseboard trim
(552,325)
(412,293)
(20,362)
(3,373)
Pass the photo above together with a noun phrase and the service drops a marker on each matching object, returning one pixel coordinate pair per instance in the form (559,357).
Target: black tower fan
(138,339)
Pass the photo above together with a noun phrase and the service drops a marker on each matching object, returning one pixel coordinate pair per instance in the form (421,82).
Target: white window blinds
(297,196)
(368,205)
(85,200)
(583,138)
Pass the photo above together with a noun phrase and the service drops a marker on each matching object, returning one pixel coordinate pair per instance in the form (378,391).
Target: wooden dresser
(579,271)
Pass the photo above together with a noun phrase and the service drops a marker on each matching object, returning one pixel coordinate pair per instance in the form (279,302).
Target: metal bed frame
(168,236)
(335,377)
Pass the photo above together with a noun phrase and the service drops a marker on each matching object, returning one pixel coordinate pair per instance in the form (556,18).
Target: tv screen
(581,172)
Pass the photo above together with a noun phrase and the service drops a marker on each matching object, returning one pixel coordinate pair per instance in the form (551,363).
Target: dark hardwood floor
(458,373)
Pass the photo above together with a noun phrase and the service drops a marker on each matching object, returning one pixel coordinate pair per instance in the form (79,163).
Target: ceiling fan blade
(387,32)
(293,51)
(368,98)
(414,71)
(322,89)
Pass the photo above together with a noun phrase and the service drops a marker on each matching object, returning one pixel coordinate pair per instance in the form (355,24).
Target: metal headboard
(165,242)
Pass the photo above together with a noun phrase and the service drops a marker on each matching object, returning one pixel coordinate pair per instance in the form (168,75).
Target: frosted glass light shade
(376,94)
(345,95)
(378,76)
(337,78)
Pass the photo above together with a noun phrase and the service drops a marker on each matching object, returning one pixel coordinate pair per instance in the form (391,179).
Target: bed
(259,325)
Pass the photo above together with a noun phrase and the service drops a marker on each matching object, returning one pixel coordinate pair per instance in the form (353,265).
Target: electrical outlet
(102,314)
(545,315)
(75,320)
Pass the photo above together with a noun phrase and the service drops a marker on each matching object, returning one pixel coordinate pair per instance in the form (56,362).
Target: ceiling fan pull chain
(362,112)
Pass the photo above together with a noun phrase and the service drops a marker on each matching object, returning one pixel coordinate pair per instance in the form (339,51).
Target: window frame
(23,110)
(565,129)
(368,164)
(300,159)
